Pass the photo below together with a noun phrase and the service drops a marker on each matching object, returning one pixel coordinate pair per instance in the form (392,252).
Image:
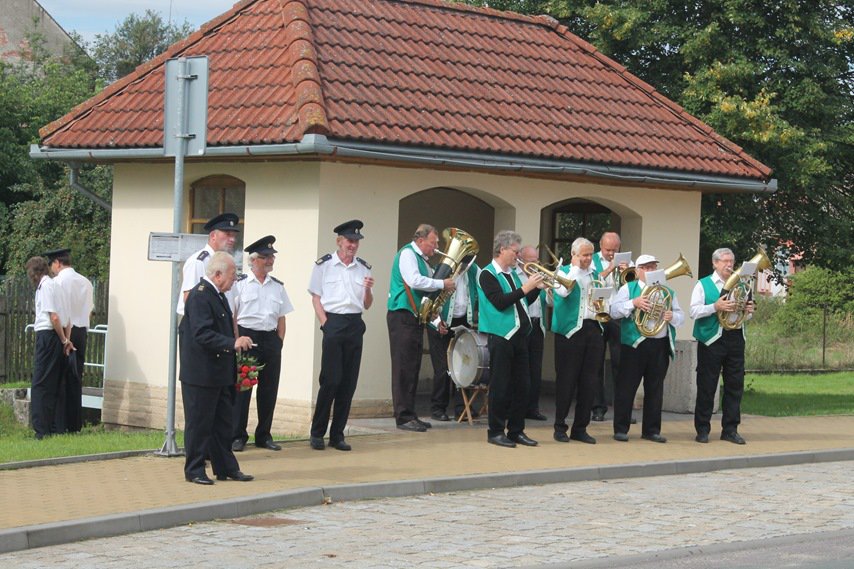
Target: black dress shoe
(633,421)
(536,416)
(598,417)
(702,437)
(236,475)
(440,416)
(340,445)
(583,437)
(203,480)
(523,439)
(424,424)
(501,440)
(316,443)
(561,437)
(269,444)
(413,426)
(622,437)
(238,445)
(655,437)
(733,437)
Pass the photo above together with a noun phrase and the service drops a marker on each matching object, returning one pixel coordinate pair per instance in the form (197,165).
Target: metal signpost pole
(176,137)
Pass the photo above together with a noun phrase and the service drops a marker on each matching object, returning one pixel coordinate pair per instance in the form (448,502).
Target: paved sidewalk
(57,504)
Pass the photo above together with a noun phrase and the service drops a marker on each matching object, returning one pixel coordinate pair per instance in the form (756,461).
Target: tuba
(651,323)
(740,289)
(460,250)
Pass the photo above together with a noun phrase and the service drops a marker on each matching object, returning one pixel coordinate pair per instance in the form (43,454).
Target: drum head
(466,359)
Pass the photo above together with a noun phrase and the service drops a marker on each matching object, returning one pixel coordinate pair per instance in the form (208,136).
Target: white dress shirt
(258,306)
(78,296)
(699,308)
(622,307)
(408,265)
(582,278)
(341,287)
(194,271)
(47,301)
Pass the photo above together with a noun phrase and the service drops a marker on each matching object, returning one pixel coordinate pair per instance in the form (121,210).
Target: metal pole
(170,446)
(823,336)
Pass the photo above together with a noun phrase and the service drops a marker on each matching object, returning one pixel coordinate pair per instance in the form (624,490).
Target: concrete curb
(41,535)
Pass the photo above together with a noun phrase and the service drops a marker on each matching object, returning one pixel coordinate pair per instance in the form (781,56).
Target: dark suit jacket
(207,339)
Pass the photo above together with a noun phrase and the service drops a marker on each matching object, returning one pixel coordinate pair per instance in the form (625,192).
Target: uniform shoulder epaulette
(201,285)
(364,262)
(203,255)
(243,276)
(275,280)
(323,259)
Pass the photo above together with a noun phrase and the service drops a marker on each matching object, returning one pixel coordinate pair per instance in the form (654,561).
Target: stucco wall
(300,203)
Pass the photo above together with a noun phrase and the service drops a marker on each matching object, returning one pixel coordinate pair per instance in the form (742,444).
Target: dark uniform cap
(51,256)
(263,246)
(223,222)
(350,229)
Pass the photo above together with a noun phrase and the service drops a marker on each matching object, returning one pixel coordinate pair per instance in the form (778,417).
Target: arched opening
(565,221)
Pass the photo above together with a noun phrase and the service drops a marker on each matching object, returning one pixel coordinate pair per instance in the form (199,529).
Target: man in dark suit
(208,374)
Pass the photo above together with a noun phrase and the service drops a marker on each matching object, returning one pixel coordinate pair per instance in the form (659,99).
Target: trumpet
(551,277)
(650,323)
(740,289)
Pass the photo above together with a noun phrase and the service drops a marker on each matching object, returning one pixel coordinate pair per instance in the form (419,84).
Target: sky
(90,17)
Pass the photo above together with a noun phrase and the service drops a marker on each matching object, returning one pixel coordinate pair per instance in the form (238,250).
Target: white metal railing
(100,329)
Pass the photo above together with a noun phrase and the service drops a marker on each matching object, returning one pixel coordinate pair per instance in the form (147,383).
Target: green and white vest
(398,299)
(490,320)
(629,333)
(568,313)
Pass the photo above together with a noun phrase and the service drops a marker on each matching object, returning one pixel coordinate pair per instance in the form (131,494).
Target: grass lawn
(799,394)
(17,442)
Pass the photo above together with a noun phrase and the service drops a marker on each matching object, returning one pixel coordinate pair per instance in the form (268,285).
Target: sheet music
(748,269)
(623,257)
(601,293)
(655,277)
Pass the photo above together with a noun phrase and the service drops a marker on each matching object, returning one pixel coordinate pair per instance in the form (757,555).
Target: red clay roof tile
(410,72)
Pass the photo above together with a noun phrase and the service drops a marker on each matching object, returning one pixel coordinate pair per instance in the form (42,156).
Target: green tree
(776,78)
(136,40)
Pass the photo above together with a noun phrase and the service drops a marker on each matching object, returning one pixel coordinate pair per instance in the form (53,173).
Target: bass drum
(468,357)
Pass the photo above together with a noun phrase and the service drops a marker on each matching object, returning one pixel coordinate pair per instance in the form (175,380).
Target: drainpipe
(73,181)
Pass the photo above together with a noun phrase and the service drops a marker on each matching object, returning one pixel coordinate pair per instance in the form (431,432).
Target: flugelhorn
(460,250)
(551,278)
(740,289)
(599,307)
(650,323)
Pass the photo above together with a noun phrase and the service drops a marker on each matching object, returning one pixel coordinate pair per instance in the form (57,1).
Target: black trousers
(603,391)
(47,373)
(577,362)
(649,361)
(339,373)
(406,342)
(508,383)
(207,429)
(443,385)
(269,353)
(536,345)
(725,354)
(69,410)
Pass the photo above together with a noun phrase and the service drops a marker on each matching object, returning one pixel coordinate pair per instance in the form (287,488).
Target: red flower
(246,383)
(245,369)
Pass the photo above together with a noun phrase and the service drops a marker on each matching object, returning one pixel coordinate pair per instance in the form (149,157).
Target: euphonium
(740,289)
(460,250)
(551,278)
(625,276)
(651,322)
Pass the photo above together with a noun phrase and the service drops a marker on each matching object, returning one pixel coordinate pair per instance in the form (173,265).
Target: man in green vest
(578,345)
(717,350)
(410,281)
(537,337)
(503,316)
(642,358)
(459,310)
(603,263)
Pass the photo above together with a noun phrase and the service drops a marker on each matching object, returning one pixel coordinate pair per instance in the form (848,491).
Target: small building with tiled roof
(395,112)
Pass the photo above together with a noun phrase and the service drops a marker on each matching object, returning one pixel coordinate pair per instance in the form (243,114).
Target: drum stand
(470,395)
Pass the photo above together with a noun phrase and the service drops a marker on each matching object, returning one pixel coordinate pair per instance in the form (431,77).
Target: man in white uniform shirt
(642,357)
(340,289)
(52,343)
(222,233)
(260,303)
(79,300)
(536,339)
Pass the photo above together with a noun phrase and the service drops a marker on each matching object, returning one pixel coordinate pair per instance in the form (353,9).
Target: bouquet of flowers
(247,372)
